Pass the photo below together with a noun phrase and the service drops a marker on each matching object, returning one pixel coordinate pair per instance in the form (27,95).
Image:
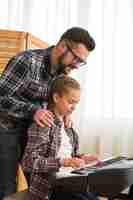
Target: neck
(59,116)
(55,111)
(54,56)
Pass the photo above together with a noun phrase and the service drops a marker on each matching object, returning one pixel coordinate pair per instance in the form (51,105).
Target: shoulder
(28,54)
(37,136)
(72,132)
(36,130)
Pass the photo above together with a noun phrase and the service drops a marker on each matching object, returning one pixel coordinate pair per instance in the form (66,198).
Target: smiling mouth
(72,67)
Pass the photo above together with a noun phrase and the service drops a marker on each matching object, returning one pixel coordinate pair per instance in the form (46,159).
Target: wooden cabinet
(12,42)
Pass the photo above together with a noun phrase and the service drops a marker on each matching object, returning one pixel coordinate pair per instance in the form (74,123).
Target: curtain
(104,116)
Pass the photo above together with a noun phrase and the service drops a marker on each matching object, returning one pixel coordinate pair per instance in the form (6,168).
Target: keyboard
(99,165)
(110,176)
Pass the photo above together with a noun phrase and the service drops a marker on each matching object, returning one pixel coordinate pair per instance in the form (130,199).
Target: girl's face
(65,104)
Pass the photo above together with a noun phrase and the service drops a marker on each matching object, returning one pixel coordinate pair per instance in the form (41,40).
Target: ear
(55,98)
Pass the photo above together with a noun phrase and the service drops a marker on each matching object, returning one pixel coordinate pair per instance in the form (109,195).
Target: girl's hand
(74,162)
(68,123)
(88,158)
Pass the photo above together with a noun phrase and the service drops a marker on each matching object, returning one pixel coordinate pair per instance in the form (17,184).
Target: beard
(62,68)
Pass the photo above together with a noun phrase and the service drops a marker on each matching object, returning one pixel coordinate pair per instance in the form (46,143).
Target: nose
(73,107)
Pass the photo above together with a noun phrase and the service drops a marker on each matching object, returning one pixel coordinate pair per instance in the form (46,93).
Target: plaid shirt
(40,157)
(24,84)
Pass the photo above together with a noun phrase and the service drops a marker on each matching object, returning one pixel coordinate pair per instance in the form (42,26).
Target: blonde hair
(62,85)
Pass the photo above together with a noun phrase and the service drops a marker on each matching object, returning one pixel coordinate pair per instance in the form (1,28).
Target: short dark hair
(79,35)
(62,85)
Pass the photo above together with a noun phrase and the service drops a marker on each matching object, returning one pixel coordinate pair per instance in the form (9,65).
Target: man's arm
(11,81)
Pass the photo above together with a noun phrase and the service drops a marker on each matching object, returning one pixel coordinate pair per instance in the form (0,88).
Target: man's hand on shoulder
(43,117)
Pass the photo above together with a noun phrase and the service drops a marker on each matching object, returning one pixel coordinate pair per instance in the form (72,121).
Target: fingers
(78,163)
(89,158)
(43,118)
(74,162)
(68,122)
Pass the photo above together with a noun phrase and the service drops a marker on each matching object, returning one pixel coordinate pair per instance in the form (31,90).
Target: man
(24,86)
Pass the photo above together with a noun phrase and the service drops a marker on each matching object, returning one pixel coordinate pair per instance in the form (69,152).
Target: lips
(74,66)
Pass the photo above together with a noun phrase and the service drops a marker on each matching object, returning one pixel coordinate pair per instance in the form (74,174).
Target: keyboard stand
(109,179)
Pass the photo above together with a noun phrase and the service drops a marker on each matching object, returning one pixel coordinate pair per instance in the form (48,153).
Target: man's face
(72,58)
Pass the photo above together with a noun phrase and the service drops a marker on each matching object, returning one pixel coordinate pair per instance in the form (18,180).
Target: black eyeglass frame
(76,59)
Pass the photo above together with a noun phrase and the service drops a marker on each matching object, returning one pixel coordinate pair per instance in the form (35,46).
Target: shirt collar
(50,69)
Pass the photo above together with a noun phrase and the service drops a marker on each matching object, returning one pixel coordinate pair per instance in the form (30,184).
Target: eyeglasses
(76,59)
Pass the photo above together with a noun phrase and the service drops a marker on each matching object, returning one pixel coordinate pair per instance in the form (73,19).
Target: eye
(76,59)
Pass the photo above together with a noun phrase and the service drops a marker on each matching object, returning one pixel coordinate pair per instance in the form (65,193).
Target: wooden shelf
(13,42)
